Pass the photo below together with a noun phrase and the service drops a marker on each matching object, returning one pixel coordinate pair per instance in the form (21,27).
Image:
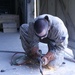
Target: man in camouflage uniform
(47,29)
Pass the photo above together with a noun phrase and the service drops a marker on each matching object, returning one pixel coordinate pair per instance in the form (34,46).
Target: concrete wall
(47,6)
(71,10)
(70,14)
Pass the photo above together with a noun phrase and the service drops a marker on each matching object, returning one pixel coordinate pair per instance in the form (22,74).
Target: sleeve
(59,40)
(59,45)
(33,38)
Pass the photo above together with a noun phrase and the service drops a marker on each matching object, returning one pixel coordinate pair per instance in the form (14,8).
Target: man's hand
(47,58)
(34,52)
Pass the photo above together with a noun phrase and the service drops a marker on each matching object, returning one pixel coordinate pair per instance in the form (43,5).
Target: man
(47,29)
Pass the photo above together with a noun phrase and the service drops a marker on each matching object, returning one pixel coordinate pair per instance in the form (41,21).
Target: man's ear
(46,17)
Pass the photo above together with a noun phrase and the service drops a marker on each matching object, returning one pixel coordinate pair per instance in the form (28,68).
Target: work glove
(34,52)
(47,58)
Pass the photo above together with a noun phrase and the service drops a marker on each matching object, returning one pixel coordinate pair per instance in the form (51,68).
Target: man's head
(41,27)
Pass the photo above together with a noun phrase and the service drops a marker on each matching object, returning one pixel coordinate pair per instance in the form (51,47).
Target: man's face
(43,34)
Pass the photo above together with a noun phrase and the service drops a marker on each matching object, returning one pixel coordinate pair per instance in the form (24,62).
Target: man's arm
(34,40)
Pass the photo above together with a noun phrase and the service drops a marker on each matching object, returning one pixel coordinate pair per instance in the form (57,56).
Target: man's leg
(24,37)
(59,59)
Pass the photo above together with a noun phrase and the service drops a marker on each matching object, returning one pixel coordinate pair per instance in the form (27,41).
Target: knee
(24,26)
(59,59)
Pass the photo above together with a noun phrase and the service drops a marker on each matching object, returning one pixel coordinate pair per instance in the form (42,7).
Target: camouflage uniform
(57,38)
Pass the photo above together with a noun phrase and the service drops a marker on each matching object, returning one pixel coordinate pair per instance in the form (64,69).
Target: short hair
(40,24)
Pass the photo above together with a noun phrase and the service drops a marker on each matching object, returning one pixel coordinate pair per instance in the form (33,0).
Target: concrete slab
(11,42)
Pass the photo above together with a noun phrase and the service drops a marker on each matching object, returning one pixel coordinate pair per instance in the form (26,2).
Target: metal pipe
(10,51)
(34,8)
(25,16)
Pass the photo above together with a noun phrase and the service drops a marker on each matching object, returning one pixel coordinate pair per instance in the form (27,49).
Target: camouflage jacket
(57,35)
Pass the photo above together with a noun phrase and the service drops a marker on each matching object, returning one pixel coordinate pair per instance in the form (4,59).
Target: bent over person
(47,29)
